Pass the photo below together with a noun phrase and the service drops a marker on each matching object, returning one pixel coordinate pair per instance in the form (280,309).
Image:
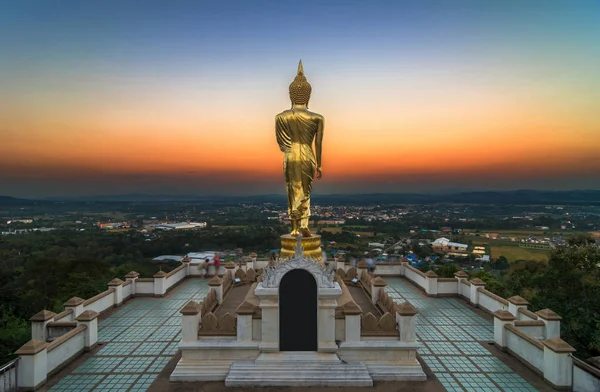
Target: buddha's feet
(305,232)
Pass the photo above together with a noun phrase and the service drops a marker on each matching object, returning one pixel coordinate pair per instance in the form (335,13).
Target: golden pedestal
(311,245)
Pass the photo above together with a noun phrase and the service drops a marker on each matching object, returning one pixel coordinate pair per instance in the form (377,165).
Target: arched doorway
(298,311)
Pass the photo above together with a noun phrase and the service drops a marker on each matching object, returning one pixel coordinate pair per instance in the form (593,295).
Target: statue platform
(311,246)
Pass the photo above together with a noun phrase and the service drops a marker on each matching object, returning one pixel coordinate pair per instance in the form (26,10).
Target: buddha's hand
(319,173)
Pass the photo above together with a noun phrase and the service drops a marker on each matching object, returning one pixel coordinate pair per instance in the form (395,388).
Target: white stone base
(210,360)
(386,360)
(397,372)
(308,369)
(200,370)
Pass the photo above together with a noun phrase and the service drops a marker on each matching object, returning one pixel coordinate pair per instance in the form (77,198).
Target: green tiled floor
(451,334)
(139,340)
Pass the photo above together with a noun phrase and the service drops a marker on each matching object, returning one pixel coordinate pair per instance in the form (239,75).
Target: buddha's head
(300,89)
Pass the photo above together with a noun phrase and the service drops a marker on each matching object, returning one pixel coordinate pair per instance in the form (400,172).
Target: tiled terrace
(454,341)
(138,339)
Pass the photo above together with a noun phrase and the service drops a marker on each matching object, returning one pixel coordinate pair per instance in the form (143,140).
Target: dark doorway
(298,311)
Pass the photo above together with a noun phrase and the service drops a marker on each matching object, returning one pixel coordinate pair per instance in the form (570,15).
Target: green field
(514,253)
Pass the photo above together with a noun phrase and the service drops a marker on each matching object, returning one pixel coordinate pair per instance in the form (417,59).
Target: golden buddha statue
(296,130)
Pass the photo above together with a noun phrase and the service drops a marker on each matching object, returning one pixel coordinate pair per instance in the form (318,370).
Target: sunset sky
(170,97)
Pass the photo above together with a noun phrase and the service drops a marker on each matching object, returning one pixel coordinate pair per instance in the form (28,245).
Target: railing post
(475,285)
(190,321)
(431,282)
(33,366)
(89,318)
(244,321)
(501,318)
(552,321)
(76,305)
(558,364)
(216,283)
(406,317)
(377,285)
(38,324)
(515,303)
(117,284)
(361,266)
(133,277)
(160,283)
(186,261)
(230,269)
(352,314)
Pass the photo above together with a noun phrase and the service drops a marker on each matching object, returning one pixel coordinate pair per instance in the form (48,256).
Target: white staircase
(301,368)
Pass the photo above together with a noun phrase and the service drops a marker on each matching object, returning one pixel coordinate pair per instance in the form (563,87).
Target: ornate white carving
(323,275)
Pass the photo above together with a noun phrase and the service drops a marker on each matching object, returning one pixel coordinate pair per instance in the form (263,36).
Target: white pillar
(117,285)
(377,285)
(552,321)
(133,277)
(352,314)
(403,265)
(406,317)
(38,324)
(89,318)
(326,318)
(190,321)
(431,283)
(244,321)
(558,364)
(76,305)
(475,285)
(269,304)
(230,268)
(216,283)
(33,364)
(186,261)
(515,303)
(361,266)
(160,283)
(501,318)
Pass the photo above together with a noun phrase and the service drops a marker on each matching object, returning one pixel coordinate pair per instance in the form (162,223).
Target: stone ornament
(323,275)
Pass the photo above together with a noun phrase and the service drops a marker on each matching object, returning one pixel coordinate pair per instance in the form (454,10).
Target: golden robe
(295,131)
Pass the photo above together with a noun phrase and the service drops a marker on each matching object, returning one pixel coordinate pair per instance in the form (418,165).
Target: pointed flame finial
(300,68)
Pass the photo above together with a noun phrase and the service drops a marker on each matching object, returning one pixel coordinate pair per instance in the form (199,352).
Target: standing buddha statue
(296,130)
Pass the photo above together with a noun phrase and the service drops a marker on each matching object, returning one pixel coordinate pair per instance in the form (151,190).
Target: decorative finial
(300,68)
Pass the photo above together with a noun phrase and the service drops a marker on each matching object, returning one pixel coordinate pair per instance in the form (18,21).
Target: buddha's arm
(319,140)
(283,138)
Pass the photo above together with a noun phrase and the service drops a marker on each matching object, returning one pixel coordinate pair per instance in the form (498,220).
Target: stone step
(297,357)
(289,373)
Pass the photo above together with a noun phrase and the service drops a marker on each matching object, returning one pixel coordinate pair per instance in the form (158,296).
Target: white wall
(65,351)
(525,350)
(584,381)
(415,276)
(464,289)
(489,303)
(175,278)
(127,290)
(388,269)
(102,304)
(448,287)
(144,287)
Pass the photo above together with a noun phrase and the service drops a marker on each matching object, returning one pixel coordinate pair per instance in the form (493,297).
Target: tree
(501,263)
(447,271)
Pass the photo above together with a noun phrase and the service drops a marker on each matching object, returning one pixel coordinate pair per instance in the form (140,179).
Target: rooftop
(140,346)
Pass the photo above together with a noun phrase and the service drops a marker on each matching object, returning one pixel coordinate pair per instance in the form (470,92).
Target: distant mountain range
(579,197)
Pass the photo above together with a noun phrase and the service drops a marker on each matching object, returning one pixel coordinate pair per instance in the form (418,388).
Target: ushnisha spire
(300,89)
